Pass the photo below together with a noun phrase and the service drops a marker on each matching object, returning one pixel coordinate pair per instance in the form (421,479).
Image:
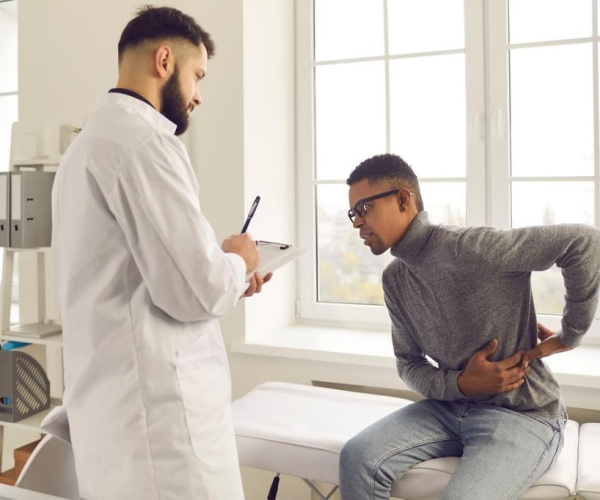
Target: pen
(250,214)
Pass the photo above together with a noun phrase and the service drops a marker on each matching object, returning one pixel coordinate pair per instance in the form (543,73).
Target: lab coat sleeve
(154,199)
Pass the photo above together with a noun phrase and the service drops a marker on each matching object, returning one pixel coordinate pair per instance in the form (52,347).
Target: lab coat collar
(138,106)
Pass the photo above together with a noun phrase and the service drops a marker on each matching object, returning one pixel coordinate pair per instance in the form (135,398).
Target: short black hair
(392,170)
(155,23)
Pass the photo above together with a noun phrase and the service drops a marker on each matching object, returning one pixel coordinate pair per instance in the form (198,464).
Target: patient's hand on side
(484,377)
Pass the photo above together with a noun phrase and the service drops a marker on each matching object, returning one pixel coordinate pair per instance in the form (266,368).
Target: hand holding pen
(245,247)
(243,244)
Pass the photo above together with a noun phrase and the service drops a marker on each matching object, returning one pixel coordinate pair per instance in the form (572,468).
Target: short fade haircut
(390,169)
(156,23)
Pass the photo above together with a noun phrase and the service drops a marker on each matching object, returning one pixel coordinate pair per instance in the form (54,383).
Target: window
(8,77)
(8,101)
(493,103)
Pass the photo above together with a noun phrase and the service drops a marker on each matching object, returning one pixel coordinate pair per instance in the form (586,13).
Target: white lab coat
(141,283)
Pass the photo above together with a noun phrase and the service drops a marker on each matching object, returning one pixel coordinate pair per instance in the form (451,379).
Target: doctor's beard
(173,104)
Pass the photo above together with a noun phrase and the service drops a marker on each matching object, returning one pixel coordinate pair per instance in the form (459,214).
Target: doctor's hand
(549,344)
(245,247)
(256,283)
(483,377)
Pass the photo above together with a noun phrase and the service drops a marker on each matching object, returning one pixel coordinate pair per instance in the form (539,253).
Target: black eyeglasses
(361,206)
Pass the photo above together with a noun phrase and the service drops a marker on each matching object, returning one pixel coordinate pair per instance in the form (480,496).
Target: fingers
(544,332)
(528,357)
(515,385)
(256,283)
(511,379)
(252,285)
(488,349)
(515,360)
(259,282)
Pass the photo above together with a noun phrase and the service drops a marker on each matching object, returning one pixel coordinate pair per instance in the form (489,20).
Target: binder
(31,209)
(4,209)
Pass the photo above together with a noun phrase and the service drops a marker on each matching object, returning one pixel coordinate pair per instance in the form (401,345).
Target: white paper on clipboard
(274,255)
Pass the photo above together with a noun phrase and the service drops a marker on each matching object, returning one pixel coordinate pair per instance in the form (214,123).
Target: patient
(465,336)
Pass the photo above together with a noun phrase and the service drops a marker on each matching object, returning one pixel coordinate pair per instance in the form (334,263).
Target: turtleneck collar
(414,239)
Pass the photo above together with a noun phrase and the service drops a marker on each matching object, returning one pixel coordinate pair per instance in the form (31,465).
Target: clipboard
(273,255)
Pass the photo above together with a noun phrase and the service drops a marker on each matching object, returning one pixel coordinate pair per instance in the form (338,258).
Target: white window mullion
(388,118)
(595,331)
(305,162)
(475,109)
(596,117)
(497,114)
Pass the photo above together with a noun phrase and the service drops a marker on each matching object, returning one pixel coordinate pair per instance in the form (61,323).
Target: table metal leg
(317,492)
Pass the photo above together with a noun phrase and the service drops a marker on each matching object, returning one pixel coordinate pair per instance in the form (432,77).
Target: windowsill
(577,369)
(335,345)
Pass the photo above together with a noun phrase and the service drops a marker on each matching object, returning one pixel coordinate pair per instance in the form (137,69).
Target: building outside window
(493,103)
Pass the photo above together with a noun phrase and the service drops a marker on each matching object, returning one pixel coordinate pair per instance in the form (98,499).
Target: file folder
(4,209)
(31,209)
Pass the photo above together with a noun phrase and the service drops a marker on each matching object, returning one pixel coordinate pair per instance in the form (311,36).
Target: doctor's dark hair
(392,170)
(155,23)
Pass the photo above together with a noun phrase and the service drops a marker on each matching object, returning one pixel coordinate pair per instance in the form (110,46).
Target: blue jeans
(503,452)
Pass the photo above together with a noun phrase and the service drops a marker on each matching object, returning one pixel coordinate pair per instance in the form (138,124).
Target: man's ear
(163,61)
(403,199)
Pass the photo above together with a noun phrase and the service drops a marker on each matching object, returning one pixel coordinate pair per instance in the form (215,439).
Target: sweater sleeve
(575,248)
(417,372)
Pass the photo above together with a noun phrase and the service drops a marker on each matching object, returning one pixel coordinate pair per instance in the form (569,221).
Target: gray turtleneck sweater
(451,290)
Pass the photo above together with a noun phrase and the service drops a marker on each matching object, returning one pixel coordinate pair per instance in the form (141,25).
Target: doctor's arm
(187,274)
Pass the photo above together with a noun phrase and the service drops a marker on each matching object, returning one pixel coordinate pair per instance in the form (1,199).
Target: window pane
(539,20)
(348,29)
(445,202)
(8,115)
(8,47)
(350,116)
(348,271)
(539,203)
(551,94)
(427,108)
(425,25)
(548,291)
(535,203)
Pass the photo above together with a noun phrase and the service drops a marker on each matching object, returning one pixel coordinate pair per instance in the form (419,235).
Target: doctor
(142,283)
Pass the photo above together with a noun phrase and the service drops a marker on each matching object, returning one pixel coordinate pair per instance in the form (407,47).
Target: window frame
(487,53)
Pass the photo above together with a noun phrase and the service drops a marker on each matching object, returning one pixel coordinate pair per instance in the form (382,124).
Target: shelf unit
(18,333)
